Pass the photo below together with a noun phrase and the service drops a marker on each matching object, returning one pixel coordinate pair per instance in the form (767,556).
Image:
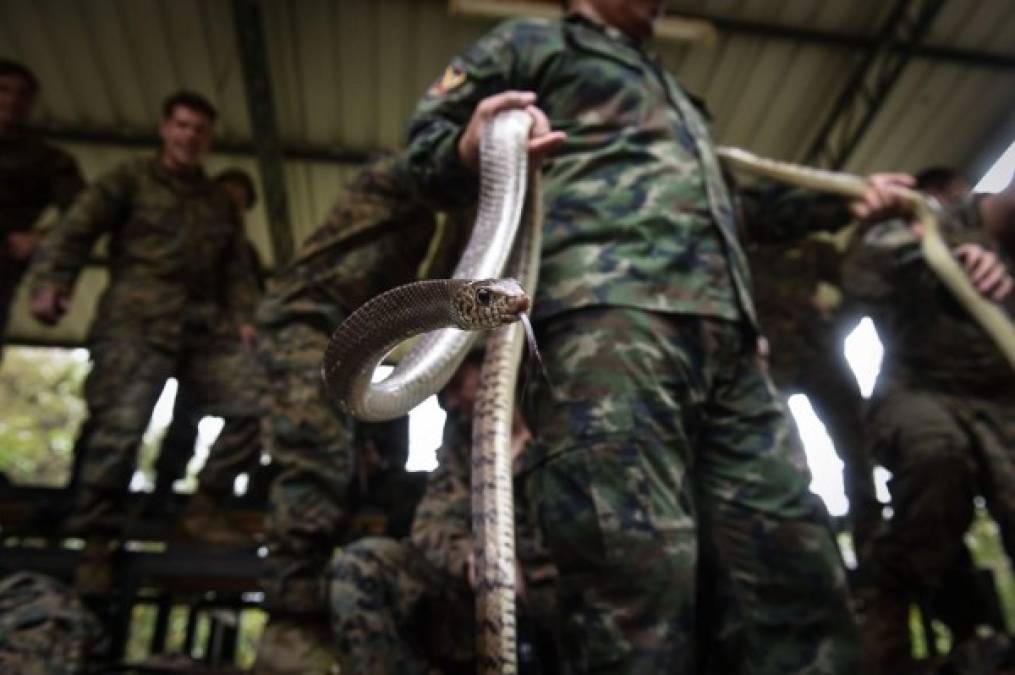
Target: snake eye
(483,295)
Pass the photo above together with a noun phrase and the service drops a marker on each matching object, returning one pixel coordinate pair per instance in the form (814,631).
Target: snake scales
(361,342)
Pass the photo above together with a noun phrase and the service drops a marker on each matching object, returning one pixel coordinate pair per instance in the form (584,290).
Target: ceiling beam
(871,81)
(261,108)
(943,53)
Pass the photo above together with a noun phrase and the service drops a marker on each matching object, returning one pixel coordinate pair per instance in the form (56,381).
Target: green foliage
(40,400)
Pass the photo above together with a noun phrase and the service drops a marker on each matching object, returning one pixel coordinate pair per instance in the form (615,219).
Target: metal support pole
(261,108)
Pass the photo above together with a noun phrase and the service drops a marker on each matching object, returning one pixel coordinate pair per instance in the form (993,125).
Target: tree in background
(40,411)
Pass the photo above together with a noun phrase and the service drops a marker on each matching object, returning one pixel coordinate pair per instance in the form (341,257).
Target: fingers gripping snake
(935,251)
(453,307)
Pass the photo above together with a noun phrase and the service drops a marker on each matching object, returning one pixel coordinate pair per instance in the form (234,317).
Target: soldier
(45,629)
(374,239)
(216,479)
(661,428)
(179,302)
(33,175)
(804,330)
(940,418)
(406,606)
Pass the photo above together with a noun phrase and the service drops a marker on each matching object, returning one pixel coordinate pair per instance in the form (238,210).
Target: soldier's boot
(94,513)
(294,644)
(204,521)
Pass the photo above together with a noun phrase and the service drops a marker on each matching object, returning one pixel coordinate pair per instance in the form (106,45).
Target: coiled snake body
(452,307)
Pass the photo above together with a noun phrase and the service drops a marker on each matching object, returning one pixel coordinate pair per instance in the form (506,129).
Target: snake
(989,315)
(447,314)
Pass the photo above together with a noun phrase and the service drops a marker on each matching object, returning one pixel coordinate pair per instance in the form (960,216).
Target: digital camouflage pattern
(805,330)
(375,238)
(45,629)
(33,176)
(941,421)
(240,454)
(406,606)
(659,427)
(180,286)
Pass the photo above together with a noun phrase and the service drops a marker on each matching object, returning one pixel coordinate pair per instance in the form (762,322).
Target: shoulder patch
(452,78)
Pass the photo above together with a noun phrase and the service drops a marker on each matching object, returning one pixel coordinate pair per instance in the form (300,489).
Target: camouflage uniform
(805,356)
(240,453)
(661,428)
(404,606)
(33,175)
(941,421)
(180,285)
(45,629)
(373,240)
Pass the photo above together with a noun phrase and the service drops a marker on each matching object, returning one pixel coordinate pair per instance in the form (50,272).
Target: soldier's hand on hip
(542,139)
(48,304)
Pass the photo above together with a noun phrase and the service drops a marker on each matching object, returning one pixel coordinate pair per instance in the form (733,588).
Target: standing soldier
(33,175)
(661,429)
(241,436)
(374,239)
(940,420)
(178,269)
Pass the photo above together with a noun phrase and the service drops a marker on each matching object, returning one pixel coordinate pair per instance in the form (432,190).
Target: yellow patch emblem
(452,78)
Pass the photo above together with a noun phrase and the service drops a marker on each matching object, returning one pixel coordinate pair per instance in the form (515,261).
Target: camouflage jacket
(374,238)
(176,252)
(442,527)
(33,175)
(930,341)
(637,210)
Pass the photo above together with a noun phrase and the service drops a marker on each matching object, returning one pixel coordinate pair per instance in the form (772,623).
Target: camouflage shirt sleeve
(441,529)
(241,281)
(66,247)
(775,213)
(432,159)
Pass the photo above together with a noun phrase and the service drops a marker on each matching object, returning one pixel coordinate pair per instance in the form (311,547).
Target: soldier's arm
(66,247)
(778,213)
(66,181)
(447,114)
(241,281)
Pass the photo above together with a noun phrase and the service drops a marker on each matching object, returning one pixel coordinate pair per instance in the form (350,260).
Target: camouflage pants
(124,384)
(942,451)
(311,442)
(661,435)
(239,450)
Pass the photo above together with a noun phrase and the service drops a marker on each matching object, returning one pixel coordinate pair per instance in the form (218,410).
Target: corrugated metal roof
(346,74)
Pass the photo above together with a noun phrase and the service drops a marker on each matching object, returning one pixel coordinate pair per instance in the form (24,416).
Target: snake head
(489,303)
